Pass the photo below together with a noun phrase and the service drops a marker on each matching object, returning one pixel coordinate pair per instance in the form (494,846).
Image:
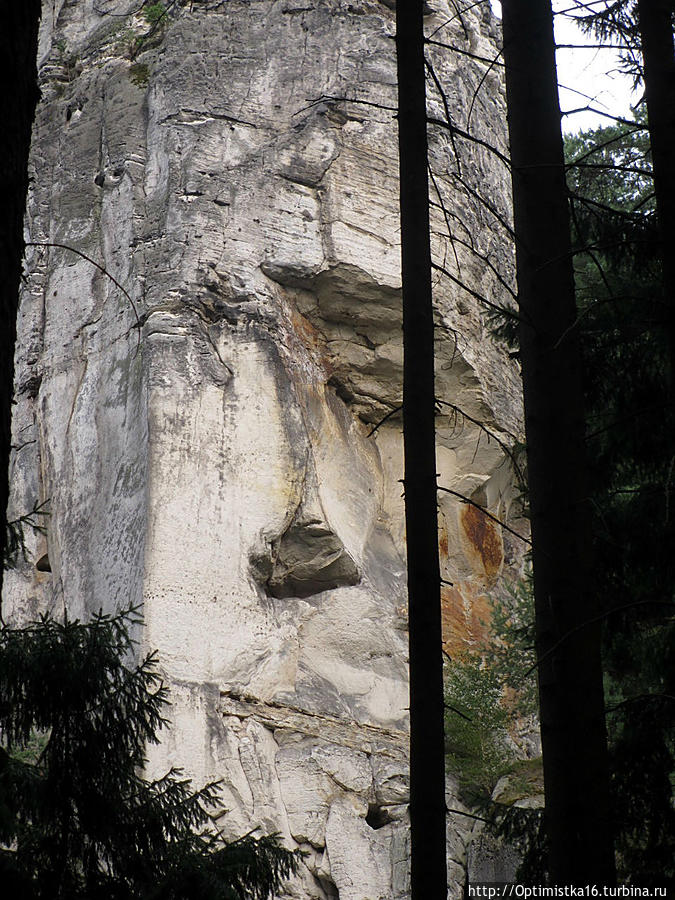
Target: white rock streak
(239,177)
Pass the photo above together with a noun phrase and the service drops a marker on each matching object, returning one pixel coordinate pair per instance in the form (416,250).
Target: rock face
(206,441)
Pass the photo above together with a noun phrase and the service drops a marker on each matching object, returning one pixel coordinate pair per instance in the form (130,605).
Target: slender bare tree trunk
(655,19)
(18,49)
(427,752)
(570,677)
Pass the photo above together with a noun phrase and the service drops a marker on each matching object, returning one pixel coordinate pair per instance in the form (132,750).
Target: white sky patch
(587,77)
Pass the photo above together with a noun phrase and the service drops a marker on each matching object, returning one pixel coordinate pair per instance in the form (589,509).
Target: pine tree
(77,817)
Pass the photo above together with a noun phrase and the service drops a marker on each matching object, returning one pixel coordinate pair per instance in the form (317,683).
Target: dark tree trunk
(18,48)
(427,752)
(570,676)
(656,37)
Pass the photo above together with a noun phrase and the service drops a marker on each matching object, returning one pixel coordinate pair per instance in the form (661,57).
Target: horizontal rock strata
(220,440)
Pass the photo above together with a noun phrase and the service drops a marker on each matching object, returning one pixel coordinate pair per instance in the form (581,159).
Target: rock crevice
(216,459)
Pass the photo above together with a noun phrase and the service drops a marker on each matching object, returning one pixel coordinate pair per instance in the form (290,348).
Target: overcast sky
(589,71)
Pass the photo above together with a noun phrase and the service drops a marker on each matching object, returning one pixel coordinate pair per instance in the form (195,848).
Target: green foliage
(642,785)
(80,821)
(31,751)
(139,74)
(511,651)
(525,779)
(154,13)
(630,428)
(15,545)
(492,690)
(123,40)
(523,829)
(616,21)
(476,736)
(612,165)
(486,690)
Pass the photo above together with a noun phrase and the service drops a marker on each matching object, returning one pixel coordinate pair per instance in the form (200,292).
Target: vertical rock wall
(206,445)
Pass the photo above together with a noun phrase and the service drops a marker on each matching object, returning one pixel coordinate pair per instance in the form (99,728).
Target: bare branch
(489,515)
(502,310)
(446,216)
(454,709)
(446,107)
(592,621)
(96,265)
(324,98)
(598,112)
(591,47)
(460,812)
(636,699)
(481,256)
(480,85)
(489,433)
(458,15)
(485,203)
(392,412)
(486,59)
(612,167)
(626,214)
(449,126)
(606,143)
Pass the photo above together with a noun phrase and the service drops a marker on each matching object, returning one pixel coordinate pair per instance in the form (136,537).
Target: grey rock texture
(206,443)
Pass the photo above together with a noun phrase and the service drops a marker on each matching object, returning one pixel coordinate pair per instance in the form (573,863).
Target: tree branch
(473,503)
(592,621)
(96,265)
(502,310)
(489,433)
(432,120)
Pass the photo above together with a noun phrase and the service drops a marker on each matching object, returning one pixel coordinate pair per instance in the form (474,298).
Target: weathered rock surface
(210,450)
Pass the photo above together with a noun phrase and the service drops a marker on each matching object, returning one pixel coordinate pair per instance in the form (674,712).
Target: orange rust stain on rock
(443,542)
(465,616)
(483,538)
(480,619)
(312,339)
(453,619)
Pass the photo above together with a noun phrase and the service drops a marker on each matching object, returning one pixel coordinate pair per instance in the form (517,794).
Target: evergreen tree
(627,356)
(77,817)
(644,29)
(571,705)
(476,736)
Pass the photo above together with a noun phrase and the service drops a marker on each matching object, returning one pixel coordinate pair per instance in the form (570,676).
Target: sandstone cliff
(209,450)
